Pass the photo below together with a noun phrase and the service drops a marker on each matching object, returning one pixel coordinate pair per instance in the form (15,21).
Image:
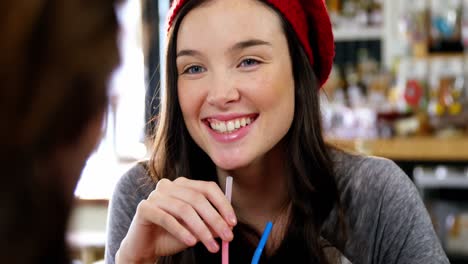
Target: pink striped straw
(225,244)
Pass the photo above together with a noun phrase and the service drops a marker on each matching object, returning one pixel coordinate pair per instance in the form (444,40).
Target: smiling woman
(245,74)
(241,100)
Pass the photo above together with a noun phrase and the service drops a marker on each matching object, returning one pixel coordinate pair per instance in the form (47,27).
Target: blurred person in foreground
(55,61)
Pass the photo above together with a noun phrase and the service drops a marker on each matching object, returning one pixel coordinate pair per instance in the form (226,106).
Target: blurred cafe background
(398,89)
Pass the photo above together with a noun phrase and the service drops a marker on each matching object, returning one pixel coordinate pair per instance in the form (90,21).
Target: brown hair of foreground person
(56,58)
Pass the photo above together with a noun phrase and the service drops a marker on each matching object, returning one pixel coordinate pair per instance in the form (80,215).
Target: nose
(223,91)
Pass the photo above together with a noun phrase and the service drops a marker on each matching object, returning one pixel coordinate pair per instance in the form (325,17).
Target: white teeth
(230,126)
(222,127)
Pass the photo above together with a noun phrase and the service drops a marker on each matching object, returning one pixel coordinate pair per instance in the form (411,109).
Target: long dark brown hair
(55,60)
(312,185)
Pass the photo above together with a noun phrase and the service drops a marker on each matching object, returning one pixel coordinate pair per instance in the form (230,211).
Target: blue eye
(194,69)
(248,63)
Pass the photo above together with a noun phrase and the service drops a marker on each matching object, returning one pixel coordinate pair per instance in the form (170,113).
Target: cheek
(189,99)
(272,91)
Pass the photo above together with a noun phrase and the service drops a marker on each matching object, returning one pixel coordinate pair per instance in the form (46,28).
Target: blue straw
(262,243)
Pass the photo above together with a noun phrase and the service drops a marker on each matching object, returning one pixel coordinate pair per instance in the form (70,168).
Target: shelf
(357,33)
(441,177)
(410,149)
(449,182)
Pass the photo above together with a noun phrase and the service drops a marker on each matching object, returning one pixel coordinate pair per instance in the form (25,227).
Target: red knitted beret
(310,21)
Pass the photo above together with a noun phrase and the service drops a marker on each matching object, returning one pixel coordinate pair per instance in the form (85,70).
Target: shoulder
(351,163)
(368,174)
(133,186)
(138,174)
(136,184)
(384,214)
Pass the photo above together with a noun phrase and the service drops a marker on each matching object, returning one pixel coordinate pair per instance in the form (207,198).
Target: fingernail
(232,219)
(213,246)
(227,234)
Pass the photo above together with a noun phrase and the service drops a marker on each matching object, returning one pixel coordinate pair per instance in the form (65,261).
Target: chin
(229,163)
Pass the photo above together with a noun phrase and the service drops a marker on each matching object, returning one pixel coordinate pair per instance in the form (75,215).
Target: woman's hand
(177,215)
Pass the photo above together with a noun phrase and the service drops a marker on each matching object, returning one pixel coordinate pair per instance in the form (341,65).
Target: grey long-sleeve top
(386,218)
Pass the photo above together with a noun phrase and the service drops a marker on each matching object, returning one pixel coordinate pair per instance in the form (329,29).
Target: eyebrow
(247,44)
(236,47)
(187,52)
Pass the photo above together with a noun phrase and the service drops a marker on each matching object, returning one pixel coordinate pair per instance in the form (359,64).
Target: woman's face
(235,84)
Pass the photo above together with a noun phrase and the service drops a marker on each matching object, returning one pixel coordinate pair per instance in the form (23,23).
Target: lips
(229,123)
(229,127)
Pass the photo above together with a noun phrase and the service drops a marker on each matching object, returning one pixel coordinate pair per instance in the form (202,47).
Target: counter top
(409,149)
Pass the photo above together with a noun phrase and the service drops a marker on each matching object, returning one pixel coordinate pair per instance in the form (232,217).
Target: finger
(205,210)
(186,213)
(214,194)
(157,216)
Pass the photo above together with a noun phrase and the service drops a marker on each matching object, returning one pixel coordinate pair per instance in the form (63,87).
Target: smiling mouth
(230,126)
